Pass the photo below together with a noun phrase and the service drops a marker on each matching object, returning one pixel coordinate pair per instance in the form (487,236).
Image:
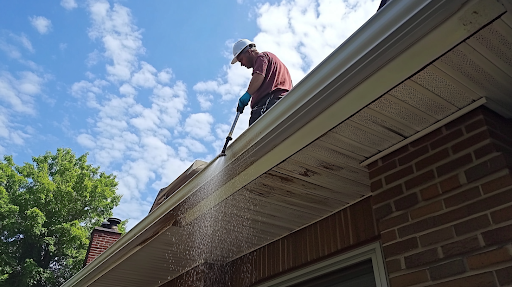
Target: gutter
(395,43)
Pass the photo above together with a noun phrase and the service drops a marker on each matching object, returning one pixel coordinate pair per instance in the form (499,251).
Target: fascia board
(374,59)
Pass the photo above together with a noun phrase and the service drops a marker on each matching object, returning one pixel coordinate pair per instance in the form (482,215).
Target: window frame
(371,251)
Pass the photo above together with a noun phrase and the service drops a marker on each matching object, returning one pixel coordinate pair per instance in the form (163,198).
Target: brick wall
(443,205)
(101,239)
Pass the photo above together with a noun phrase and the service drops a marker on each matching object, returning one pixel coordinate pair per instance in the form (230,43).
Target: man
(270,78)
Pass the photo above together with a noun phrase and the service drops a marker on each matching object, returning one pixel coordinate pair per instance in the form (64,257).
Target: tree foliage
(47,210)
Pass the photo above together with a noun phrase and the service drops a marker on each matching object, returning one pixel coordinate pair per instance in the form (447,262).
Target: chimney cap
(114,221)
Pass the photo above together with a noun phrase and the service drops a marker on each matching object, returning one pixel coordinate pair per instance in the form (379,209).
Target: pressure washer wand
(228,138)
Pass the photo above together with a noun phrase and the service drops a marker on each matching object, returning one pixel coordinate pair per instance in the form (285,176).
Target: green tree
(47,210)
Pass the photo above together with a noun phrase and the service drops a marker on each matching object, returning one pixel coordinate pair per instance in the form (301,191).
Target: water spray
(228,138)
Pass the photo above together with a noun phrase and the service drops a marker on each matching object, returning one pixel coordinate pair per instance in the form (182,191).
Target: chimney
(102,238)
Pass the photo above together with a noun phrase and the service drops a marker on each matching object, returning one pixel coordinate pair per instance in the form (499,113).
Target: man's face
(244,59)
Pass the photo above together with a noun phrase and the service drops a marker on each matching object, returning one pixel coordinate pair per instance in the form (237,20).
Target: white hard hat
(239,47)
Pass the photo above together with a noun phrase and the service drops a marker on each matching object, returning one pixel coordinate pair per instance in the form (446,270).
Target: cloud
(199,126)
(121,39)
(63,46)
(24,41)
(205,101)
(86,141)
(68,4)
(18,93)
(42,25)
(145,77)
(17,98)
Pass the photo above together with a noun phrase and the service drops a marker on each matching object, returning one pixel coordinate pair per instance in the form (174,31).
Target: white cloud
(42,25)
(205,101)
(17,98)
(18,93)
(121,39)
(165,76)
(193,145)
(63,46)
(145,77)
(86,141)
(68,4)
(24,41)
(127,90)
(199,126)
(93,58)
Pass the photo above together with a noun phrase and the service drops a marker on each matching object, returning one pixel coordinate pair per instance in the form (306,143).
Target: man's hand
(243,101)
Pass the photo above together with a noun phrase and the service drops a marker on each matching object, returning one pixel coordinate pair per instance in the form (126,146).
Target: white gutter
(390,47)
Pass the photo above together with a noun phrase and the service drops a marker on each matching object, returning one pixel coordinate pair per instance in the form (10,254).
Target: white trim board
(372,251)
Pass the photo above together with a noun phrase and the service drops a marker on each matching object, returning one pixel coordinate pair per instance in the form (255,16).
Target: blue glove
(242,102)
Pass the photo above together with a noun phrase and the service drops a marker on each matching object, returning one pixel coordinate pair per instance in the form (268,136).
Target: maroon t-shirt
(276,76)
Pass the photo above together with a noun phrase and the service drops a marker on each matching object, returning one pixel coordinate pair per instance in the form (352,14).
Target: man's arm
(255,83)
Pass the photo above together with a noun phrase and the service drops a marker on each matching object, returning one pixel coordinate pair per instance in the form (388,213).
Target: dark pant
(263,106)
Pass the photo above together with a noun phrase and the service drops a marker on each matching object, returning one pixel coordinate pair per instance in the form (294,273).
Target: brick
(436,236)
(388,236)
(485,168)
(421,258)
(387,194)
(446,139)
(471,225)
(432,159)
(416,227)
(475,125)
(406,202)
(376,185)
(452,215)
(449,183)
(454,164)
(498,235)
(491,202)
(485,150)
(395,154)
(502,215)
(504,275)
(393,265)
(462,197)
(447,269)
(382,169)
(488,258)
(460,247)
(382,211)
(464,119)
(426,210)
(394,221)
(430,192)
(420,179)
(413,155)
(398,175)
(471,141)
(427,138)
(400,247)
(373,165)
(497,183)
(479,280)
(409,279)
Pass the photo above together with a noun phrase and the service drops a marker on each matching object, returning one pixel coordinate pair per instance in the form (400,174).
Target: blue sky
(145,87)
